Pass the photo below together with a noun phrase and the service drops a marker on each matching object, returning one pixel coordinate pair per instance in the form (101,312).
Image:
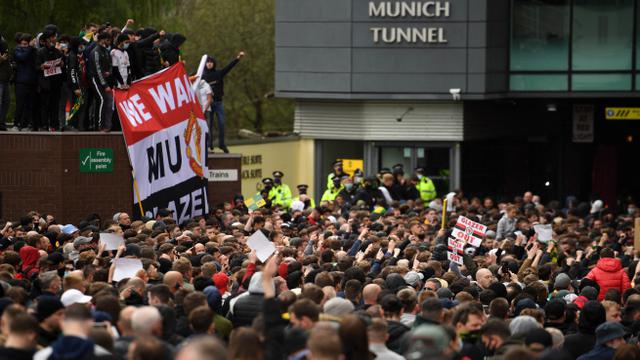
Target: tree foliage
(222,28)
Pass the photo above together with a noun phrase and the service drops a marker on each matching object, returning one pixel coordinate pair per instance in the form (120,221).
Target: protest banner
(111,241)
(456,258)
(255,202)
(455,245)
(126,268)
(544,232)
(263,247)
(165,133)
(52,67)
(469,231)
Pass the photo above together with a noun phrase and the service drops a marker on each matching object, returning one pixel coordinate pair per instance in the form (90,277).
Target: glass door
(436,160)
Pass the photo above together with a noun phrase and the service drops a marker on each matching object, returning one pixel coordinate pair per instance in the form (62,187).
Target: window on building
(602,35)
(540,35)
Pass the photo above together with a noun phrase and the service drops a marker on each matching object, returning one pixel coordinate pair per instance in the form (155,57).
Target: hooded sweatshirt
(170,48)
(30,257)
(215,78)
(608,274)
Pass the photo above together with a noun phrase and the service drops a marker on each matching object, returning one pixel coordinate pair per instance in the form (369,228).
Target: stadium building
(491,96)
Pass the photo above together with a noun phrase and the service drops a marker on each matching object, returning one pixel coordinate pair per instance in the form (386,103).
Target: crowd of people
(66,83)
(343,282)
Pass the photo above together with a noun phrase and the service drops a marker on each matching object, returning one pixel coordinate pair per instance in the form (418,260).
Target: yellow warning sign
(351,165)
(622,113)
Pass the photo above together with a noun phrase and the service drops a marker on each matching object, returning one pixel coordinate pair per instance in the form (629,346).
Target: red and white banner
(165,133)
(455,245)
(456,258)
(469,231)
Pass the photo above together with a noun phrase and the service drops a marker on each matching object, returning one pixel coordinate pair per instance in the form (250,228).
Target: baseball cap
(69,229)
(81,240)
(74,296)
(412,277)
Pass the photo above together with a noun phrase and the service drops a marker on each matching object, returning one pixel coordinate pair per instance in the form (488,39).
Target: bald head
(484,277)
(124,321)
(173,280)
(370,294)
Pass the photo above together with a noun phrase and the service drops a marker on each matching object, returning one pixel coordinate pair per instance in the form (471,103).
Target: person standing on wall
(50,62)
(5,76)
(215,79)
(102,80)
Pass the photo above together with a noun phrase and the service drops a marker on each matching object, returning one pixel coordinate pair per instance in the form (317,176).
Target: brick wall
(41,171)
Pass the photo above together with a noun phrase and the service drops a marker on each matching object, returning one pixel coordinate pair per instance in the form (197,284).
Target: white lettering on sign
(135,111)
(454,257)
(167,99)
(408,35)
(223,175)
(415,9)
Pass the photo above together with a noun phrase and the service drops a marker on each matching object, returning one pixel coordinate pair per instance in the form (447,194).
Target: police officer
(306,199)
(425,186)
(280,194)
(331,193)
(337,172)
(267,184)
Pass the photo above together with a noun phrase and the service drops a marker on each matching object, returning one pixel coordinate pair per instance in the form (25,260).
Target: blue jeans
(217,108)
(4,104)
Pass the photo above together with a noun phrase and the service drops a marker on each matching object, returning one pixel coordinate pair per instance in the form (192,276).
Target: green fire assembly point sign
(96,160)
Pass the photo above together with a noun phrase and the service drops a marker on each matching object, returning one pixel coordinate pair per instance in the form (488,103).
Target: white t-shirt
(120,59)
(202,91)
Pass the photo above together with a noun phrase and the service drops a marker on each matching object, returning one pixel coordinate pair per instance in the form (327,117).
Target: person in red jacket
(608,274)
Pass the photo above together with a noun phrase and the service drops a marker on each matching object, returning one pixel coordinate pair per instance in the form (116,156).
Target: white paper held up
(111,241)
(545,233)
(263,247)
(126,268)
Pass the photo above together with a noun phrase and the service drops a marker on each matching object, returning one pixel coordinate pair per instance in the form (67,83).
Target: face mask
(80,48)
(64,46)
(471,337)
(631,210)
(348,186)
(357,179)
(277,180)
(109,47)
(419,176)
(125,46)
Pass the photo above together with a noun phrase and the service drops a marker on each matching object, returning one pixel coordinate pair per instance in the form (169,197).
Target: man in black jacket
(101,81)
(149,55)
(77,82)
(170,48)
(215,79)
(5,75)
(26,82)
(50,63)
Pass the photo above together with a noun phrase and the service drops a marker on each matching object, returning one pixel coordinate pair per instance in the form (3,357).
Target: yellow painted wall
(295,158)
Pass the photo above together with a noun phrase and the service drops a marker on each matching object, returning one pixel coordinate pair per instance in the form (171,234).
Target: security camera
(455,94)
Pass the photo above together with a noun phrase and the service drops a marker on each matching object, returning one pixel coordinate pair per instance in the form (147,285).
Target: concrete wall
(41,171)
(326,49)
(294,157)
